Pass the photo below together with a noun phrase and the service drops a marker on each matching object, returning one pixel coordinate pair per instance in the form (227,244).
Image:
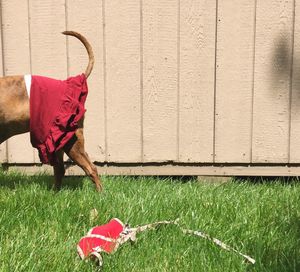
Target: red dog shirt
(56,106)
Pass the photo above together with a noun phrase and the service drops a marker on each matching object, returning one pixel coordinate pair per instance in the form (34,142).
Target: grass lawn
(39,229)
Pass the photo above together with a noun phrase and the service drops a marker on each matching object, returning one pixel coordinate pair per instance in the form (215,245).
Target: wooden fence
(179,86)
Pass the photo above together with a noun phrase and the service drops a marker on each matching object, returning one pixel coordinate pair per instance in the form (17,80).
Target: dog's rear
(15,119)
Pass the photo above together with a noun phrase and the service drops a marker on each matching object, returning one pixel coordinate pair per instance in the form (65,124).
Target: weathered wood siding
(196,81)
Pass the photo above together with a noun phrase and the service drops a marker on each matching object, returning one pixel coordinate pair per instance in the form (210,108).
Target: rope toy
(109,237)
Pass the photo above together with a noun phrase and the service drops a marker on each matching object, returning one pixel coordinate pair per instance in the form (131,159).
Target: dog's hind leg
(75,150)
(59,170)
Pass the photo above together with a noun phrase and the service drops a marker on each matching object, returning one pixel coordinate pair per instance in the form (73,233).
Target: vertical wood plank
(48,46)
(295,99)
(122,32)
(3,150)
(160,26)
(234,80)
(272,81)
(196,81)
(81,15)
(17,61)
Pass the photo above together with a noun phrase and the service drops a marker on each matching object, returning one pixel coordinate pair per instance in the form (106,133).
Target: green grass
(39,229)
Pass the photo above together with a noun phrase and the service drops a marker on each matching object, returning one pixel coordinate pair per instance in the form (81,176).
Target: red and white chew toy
(101,238)
(107,238)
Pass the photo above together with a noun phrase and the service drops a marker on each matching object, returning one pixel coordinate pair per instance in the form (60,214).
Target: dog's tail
(88,48)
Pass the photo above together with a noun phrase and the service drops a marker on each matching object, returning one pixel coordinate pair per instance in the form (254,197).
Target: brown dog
(15,119)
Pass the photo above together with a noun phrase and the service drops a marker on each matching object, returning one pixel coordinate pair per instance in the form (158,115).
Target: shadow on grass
(282,255)
(291,259)
(179,179)
(16,180)
(285,257)
(263,180)
(175,179)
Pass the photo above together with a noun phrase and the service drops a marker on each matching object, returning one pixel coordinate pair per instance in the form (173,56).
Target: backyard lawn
(39,228)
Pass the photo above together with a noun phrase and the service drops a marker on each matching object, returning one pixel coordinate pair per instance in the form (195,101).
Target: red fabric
(95,238)
(55,108)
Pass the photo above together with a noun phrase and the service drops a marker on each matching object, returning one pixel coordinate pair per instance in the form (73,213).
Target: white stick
(219,243)
(187,231)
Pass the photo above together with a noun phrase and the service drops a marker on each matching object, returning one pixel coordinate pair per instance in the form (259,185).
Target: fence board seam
(215,81)
(3,66)
(30,54)
(291,82)
(178,78)
(142,79)
(29,36)
(67,38)
(253,80)
(104,78)
(2,39)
